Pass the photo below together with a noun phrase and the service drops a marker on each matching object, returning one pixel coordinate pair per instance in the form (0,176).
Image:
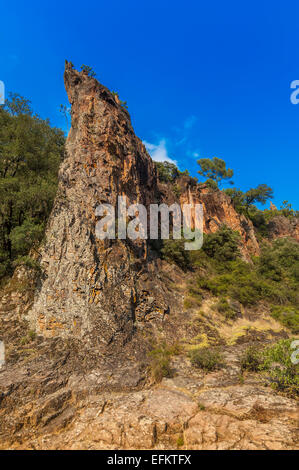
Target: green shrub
(174,251)
(167,172)
(222,245)
(251,359)
(196,295)
(24,236)
(5,264)
(206,359)
(224,307)
(277,261)
(211,184)
(176,190)
(259,221)
(160,361)
(284,211)
(248,284)
(287,315)
(27,261)
(277,364)
(30,337)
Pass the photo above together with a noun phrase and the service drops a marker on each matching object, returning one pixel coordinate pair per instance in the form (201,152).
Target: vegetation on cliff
(218,268)
(274,362)
(31,151)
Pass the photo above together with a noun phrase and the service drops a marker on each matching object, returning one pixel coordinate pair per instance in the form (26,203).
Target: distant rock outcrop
(272,206)
(281,227)
(217,210)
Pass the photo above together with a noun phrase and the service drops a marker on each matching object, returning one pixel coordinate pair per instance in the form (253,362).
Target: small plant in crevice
(206,359)
(29,338)
(160,360)
(123,104)
(88,70)
(180,441)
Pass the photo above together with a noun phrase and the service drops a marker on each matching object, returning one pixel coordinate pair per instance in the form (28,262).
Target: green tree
(286,209)
(242,202)
(215,170)
(260,194)
(237,196)
(30,154)
(167,171)
(17,104)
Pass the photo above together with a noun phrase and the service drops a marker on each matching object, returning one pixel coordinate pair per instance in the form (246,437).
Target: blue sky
(201,79)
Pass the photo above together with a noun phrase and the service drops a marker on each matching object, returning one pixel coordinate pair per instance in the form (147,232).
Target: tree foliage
(169,173)
(222,245)
(30,154)
(215,170)
(174,251)
(259,194)
(243,200)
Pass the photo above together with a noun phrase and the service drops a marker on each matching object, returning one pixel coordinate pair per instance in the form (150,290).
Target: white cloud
(183,132)
(158,152)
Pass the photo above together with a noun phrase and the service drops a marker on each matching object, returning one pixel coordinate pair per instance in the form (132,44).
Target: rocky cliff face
(217,210)
(76,377)
(88,287)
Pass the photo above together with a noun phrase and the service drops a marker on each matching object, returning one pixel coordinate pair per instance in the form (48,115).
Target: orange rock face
(218,210)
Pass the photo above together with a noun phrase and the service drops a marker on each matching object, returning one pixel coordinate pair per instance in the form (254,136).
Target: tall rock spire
(88,287)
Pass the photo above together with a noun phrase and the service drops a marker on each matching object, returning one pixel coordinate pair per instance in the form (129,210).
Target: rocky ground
(52,397)
(192,410)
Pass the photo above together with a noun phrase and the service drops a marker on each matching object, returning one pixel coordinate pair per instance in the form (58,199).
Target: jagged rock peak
(102,136)
(88,286)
